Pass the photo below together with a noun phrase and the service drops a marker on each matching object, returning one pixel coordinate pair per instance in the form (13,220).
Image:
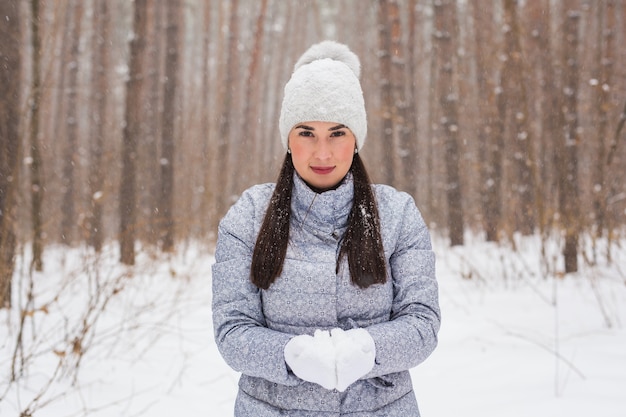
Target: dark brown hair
(362,242)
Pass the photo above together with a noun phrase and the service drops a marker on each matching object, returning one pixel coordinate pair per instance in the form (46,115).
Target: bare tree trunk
(491,169)
(445,19)
(217,144)
(404,130)
(541,89)
(386,93)
(517,121)
(249,140)
(614,183)
(10,79)
(131,132)
(207,192)
(68,204)
(434,203)
(604,61)
(170,111)
(57,129)
(569,195)
(226,103)
(150,172)
(410,139)
(550,68)
(282,53)
(100,84)
(36,163)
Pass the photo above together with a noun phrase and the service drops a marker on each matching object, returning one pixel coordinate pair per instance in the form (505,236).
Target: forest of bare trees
(138,123)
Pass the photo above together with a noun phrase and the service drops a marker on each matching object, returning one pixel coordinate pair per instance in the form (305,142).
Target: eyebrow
(305,127)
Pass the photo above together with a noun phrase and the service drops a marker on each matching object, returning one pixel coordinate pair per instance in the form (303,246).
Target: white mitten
(312,358)
(355,353)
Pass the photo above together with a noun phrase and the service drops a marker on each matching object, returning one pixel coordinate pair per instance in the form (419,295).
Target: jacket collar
(327,211)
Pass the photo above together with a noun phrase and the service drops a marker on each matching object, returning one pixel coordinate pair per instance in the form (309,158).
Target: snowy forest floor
(89,337)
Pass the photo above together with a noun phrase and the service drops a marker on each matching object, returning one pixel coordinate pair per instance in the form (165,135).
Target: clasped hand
(332,359)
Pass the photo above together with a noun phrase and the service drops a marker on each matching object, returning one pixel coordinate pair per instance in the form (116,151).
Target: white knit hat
(324,87)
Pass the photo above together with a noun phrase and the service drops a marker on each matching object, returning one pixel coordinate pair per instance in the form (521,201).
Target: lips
(322,170)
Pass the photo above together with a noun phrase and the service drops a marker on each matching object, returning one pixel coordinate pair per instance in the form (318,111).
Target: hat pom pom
(333,50)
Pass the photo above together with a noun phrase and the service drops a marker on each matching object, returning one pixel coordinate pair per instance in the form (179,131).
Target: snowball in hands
(354,354)
(332,360)
(312,358)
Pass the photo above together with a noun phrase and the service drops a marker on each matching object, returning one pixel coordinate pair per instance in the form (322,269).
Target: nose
(323,150)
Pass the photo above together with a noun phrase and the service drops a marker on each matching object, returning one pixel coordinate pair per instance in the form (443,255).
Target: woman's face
(322,152)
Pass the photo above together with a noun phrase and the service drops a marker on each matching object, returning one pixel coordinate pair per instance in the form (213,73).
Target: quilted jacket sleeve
(241,335)
(410,335)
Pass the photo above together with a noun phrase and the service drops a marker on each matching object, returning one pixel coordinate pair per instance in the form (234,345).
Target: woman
(324,288)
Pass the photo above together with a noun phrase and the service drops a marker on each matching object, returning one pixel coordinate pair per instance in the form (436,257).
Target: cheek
(346,151)
(298,147)
(298,164)
(298,153)
(346,154)
(299,159)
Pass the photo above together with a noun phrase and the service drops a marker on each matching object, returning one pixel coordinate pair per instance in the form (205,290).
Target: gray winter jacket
(252,326)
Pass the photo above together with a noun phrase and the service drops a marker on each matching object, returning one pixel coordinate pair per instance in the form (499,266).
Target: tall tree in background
(386,92)
(250,138)
(445,51)
(152,129)
(568,144)
(490,129)
(515,101)
(410,140)
(434,205)
(284,54)
(601,83)
(226,102)
(170,112)
(100,65)
(544,67)
(36,162)
(218,144)
(10,77)
(205,125)
(57,128)
(68,209)
(403,119)
(131,133)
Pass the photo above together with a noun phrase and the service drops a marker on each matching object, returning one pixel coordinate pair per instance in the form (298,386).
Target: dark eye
(337,133)
(305,133)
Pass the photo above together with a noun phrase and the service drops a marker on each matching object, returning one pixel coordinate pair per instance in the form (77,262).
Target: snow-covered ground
(103,340)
